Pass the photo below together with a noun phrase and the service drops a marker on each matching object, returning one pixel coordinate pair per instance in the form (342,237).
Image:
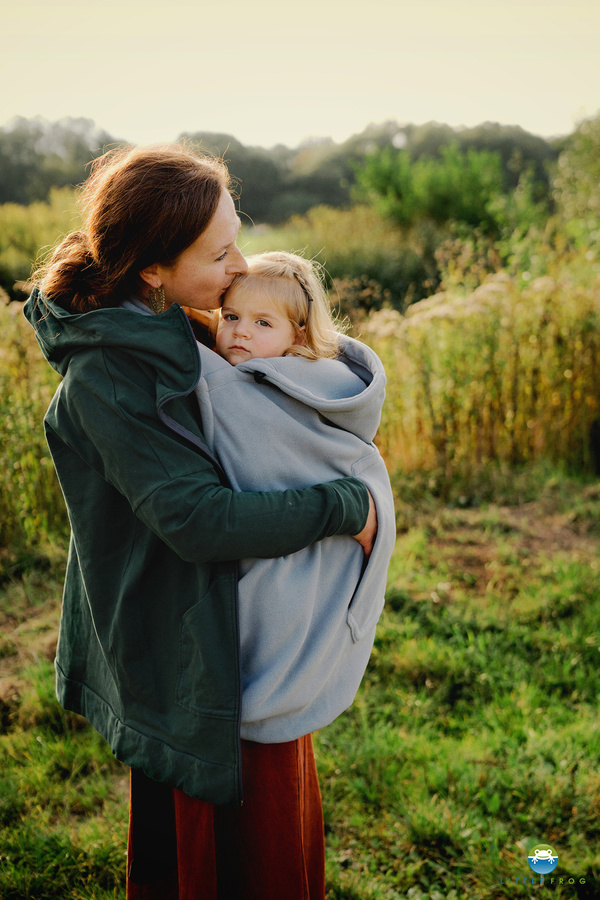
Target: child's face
(251,327)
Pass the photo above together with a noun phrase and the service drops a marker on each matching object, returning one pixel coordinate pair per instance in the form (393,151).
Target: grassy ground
(474,736)
(63,797)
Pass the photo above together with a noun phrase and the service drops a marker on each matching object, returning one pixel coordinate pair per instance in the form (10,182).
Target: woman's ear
(300,335)
(150,276)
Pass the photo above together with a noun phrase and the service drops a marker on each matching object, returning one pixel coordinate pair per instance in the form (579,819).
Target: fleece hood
(350,396)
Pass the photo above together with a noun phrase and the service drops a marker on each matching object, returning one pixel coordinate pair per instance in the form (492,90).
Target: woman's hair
(142,205)
(295,286)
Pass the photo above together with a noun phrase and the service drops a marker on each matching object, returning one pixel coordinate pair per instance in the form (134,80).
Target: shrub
(31,504)
(356,245)
(577,183)
(27,231)
(457,187)
(506,375)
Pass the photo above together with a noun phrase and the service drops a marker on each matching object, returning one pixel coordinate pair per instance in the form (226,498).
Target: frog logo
(542,859)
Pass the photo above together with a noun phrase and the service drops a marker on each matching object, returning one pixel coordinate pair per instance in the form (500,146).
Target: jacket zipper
(205,451)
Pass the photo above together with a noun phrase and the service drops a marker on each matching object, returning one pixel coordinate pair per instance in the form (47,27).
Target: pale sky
(278,72)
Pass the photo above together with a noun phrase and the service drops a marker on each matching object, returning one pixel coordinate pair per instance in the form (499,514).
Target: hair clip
(304,291)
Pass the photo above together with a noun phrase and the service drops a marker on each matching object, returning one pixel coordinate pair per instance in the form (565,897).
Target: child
(290,402)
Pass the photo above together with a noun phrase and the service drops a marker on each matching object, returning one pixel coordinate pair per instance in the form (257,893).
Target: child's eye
(229,317)
(264,322)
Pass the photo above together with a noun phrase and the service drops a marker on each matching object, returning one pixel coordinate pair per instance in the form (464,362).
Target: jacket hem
(200,778)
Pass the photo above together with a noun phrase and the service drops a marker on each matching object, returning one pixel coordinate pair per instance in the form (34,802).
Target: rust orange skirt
(270,848)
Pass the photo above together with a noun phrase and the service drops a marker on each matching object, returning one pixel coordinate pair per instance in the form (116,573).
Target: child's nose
(240,328)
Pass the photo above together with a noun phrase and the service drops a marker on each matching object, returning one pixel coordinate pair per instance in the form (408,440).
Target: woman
(148,645)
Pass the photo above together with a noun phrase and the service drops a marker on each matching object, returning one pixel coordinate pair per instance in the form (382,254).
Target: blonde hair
(295,286)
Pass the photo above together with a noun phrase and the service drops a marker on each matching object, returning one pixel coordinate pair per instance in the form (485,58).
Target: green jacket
(148,645)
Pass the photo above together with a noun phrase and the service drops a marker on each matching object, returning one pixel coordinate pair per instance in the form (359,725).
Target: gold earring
(157,299)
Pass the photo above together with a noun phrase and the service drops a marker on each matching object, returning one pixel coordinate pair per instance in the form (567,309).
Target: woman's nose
(239,263)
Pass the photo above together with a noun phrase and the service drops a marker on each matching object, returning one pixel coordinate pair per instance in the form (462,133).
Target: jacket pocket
(208,682)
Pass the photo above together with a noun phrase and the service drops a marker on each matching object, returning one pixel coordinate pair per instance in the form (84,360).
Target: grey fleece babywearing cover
(307,621)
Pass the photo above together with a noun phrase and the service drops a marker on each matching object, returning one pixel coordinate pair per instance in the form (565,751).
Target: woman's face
(203,272)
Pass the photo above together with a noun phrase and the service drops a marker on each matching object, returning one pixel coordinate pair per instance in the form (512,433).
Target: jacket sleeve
(177,492)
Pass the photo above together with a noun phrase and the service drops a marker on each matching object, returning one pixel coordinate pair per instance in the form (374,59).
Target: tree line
(394,213)
(277,183)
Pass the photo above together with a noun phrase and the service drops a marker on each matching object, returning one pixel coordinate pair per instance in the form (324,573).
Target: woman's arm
(214,523)
(115,434)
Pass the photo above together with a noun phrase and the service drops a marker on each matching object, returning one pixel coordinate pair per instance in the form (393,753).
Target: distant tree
(387,178)
(260,177)
(577,181)
(461,186)
(275,184)
(457,187)
(37,155)
(519,151)
(429,139)
(295,199)
(326,170)
(20,162)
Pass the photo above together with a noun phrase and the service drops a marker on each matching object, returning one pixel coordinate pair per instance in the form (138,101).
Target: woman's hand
(366,537)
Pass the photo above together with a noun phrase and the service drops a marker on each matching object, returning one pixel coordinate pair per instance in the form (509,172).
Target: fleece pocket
(368,599)
(365,608)
(208,682)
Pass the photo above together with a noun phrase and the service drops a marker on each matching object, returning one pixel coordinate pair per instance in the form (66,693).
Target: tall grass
(506,375)
(28,232)
(493,380)
(63,815)
(31,506)
(368,261)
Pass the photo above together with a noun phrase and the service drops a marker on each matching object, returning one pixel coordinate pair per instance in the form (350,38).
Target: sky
(278,72)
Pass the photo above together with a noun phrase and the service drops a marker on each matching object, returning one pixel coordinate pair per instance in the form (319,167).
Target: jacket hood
(152,339)
(349,395)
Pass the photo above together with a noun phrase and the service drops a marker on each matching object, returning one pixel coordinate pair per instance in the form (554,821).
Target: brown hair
(142,205)
(295,285)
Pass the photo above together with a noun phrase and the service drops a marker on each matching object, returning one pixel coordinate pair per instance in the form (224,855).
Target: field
(474,735)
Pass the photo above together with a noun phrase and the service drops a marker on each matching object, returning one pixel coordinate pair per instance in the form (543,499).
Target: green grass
(63,815)
(62,802)
(474,735)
